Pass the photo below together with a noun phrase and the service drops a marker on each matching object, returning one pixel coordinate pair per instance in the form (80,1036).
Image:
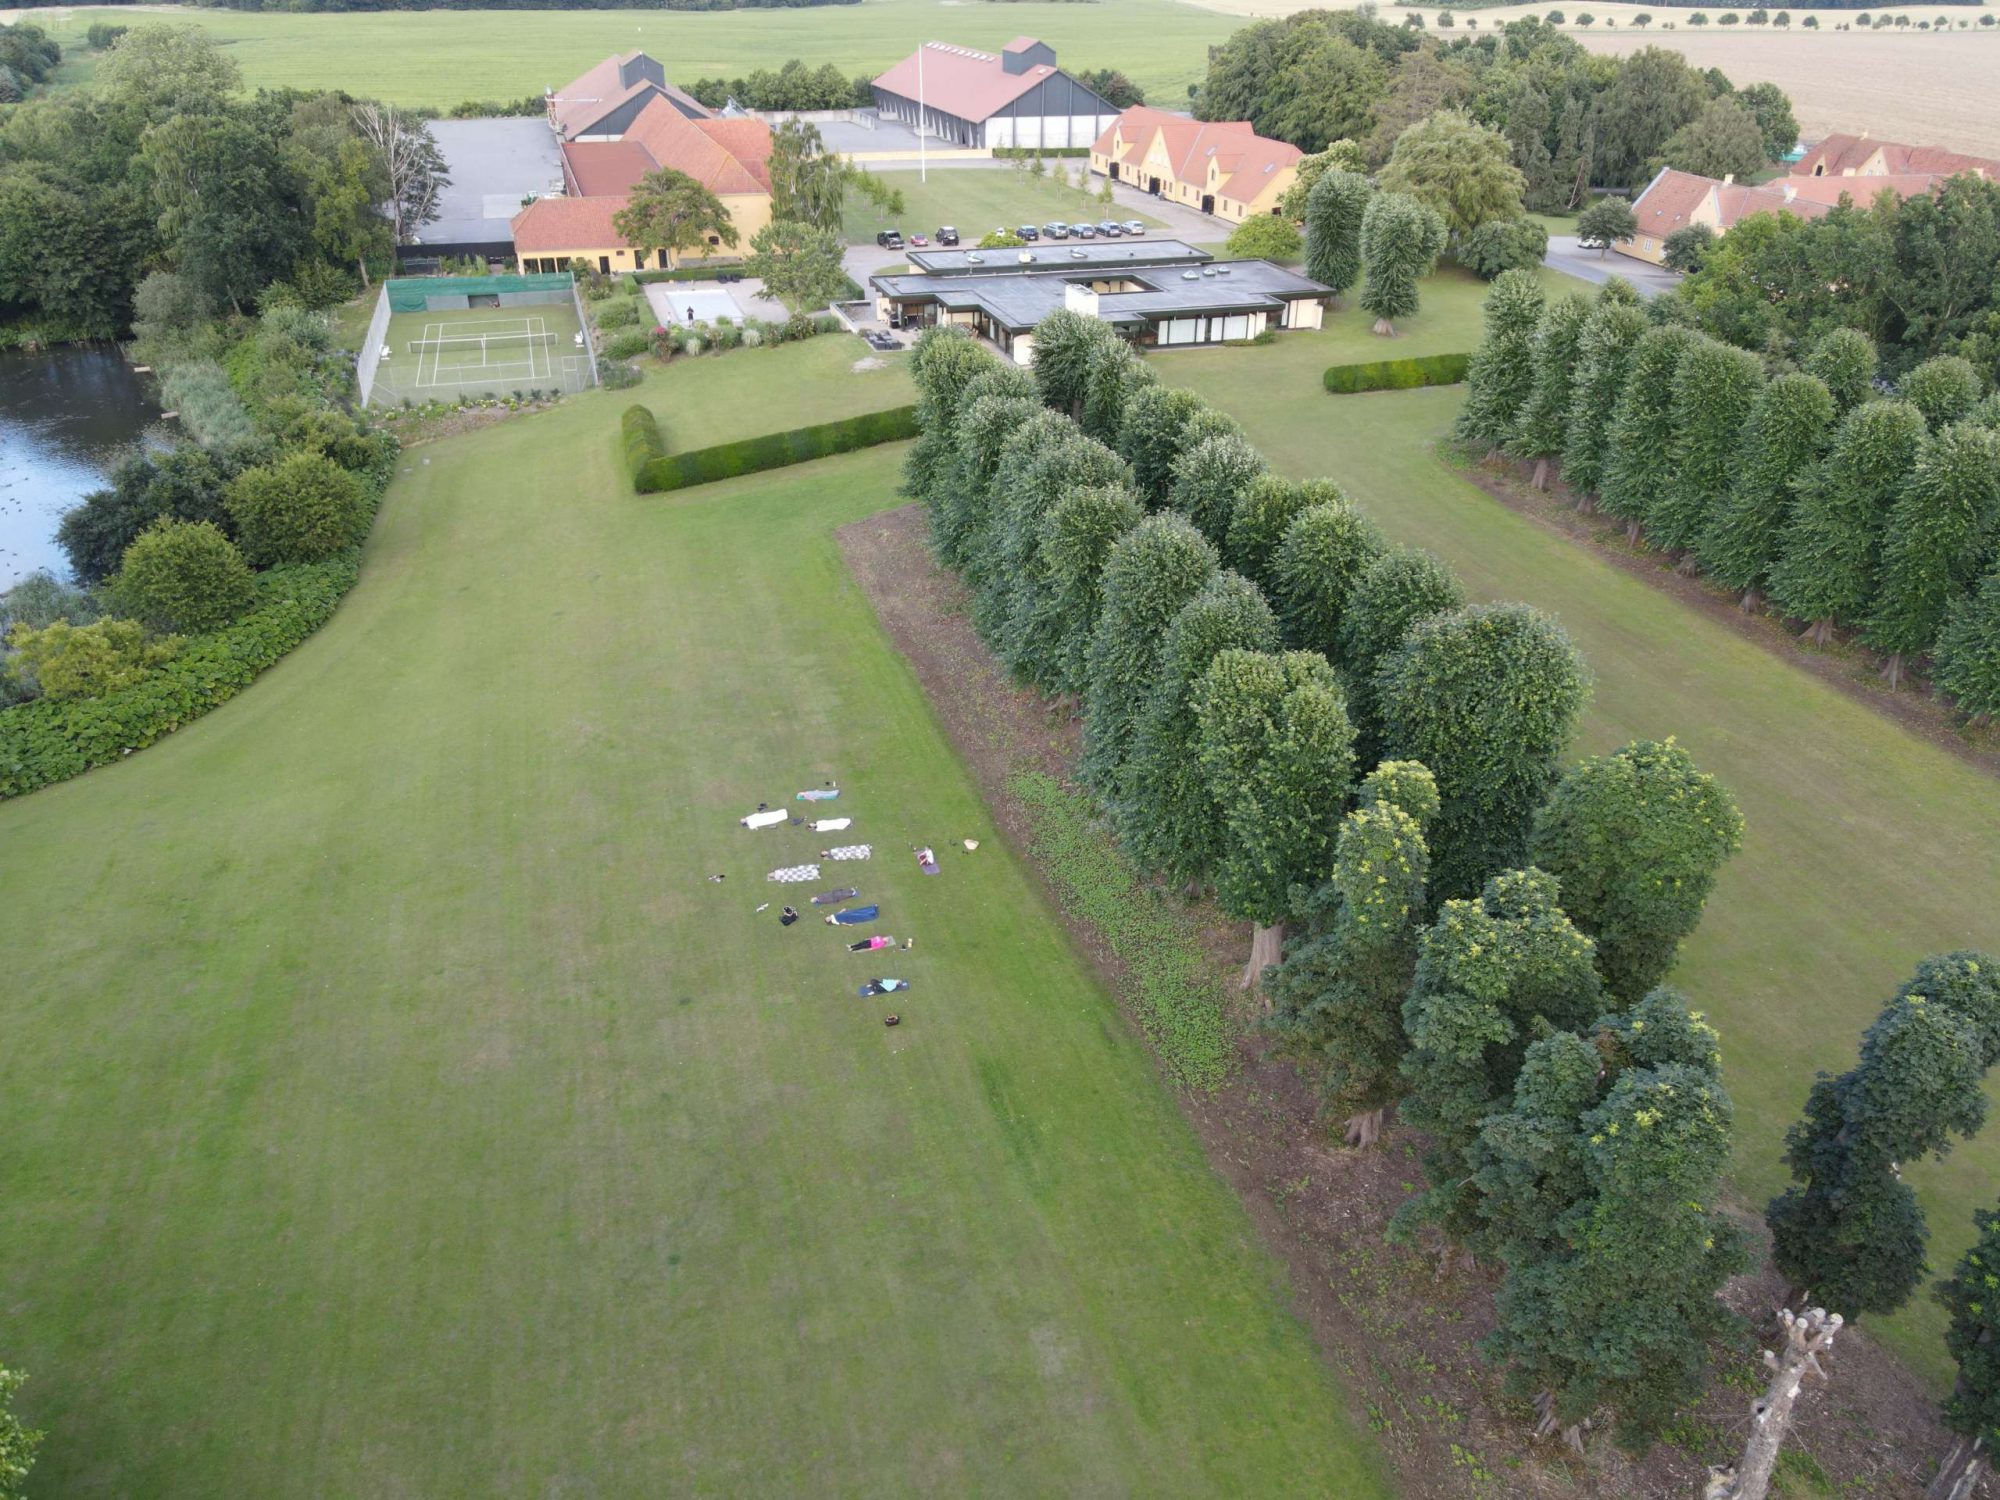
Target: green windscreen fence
(452,293)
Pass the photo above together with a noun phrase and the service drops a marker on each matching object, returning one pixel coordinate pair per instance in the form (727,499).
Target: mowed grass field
(440,57)
(391,1105)
(977,200)
(1866,847)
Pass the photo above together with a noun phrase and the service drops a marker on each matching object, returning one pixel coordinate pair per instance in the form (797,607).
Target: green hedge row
(772,451)
(642,440)
(685,273)
(1011,153)
(49,740)
(1397,374)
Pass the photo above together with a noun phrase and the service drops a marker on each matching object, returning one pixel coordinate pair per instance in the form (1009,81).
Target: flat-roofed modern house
(603,103)
(1162,294)
(1220,167)
(1017,97)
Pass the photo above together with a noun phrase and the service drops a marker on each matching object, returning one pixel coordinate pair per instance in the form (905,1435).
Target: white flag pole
(923,157)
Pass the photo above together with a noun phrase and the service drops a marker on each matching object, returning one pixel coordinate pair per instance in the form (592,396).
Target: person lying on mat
(870,944)
(854,916)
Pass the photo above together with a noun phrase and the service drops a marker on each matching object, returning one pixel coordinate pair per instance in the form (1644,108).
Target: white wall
(1053,130)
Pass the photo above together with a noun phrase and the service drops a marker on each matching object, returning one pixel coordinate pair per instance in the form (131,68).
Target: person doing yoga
(869,945)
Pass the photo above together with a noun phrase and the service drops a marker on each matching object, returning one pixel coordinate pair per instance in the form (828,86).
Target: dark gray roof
(494,164)
(1058,255)
(1020,299)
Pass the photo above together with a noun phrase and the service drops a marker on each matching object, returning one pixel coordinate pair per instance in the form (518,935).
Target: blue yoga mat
(854,915)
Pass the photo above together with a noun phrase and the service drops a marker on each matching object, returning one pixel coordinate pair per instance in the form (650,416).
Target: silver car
(1134,226)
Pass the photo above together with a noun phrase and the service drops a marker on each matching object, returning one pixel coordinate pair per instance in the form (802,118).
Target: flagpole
(923,157)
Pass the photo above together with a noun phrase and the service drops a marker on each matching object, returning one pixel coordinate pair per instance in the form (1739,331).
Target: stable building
(1219,167)
(1017,98)
(1162,294)
(603,103)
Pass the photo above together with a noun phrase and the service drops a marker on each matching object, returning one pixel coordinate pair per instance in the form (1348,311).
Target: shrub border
(654,472)
(1397,374)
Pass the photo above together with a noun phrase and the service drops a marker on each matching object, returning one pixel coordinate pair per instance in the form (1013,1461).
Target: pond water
(65,418)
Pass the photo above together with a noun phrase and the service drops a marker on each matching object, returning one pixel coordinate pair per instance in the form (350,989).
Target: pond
(66,417)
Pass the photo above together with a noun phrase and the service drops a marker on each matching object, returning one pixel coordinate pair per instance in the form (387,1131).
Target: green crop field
(440,57)
(1866,847)
(392,1106)
(977,200)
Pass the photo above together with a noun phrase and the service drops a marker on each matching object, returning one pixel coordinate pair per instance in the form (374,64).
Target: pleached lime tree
(1067,347)
(1337,1000)
(1164,811)
(1788,430)
(1487,697)
(1115,372)
(1154,431)
(1027,640)
(1636,840)
(1502,374)
(1264,515)
(1944,389)
(1543,425)
(1639,448)
(988,415)
(1971,1297)
(1604,360)
(1830,555)
(1335,208)
(1149,575)
(1326,549)
(1940,532)
(990,565)
(1395,591)
(1277,752)
(1844,362)
(1401,241)
(1966,659)
(1209,479)
(943,362)
(1076,539)
(1715,390)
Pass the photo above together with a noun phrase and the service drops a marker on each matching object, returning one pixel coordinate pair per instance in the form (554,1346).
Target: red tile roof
(567,224)
(1737,202)
(597,169)
(1670,201)
(1841,154)
(586,100)
(1246,159)
(724,156)
(1863,190)
(971,85)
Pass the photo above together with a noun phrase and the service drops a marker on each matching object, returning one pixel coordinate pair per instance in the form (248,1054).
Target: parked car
(918,242)
(1084,231)
(1110,228)
(1134,226)
(1028,232)
(889,239)
(947,235)
(1055,231)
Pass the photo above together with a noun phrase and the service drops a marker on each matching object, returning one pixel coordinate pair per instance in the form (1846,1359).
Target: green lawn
(1866,848)
(390,1106)
(975,200)
(440,57)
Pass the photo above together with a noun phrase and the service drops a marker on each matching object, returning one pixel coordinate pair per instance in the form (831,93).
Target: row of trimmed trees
(1842,506)
(1480,936)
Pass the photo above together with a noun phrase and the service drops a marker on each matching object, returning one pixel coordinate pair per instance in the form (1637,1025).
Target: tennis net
(480,343)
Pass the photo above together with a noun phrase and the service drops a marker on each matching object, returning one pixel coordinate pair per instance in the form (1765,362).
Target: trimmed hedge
(642,440)
(49,740)
(685,273)
(1397,374)
(772,451)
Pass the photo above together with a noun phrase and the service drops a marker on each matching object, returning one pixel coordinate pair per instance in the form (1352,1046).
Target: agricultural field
(1866,846)
(975,200)
(440,57)
(392,1105)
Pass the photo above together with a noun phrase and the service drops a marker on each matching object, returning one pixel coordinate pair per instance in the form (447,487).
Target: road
(1567,256)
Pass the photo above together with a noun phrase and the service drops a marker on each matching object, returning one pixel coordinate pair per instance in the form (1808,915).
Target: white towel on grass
(764,819)
(831,825)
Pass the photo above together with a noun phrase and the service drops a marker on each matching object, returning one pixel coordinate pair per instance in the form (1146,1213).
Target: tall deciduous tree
(800,263)
(1640,446)
(410,158)
(1487,697)
(1077,536)
(1458,168)
(1210,478)
(1772,111)
(1636,839)
(1604,361)
(1277,753)
(1605,222)
(1543,424)
(808,182)
(1264,514)
(1394,592)
(1326,549)
(1339,156)
(1715,390)
(1786,434)
(1966,660)
(1501,375)
(1031,641)
(1149,575)
(1940,532)
(1337,1000)
(1971,1298)
(1724,140)
(1066,348)
(671,211)
(1334,212)
(1401,240)
(1166,814)
(1831,552)
(1844,359)
(1153,433)
(159,71)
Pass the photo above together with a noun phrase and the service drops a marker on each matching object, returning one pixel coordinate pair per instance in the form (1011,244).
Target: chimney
(1728,179)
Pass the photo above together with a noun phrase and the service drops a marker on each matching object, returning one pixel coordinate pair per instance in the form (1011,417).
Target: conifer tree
(985,422)
(1636,839)
(1850,1232)
(1338,997)
(1165,813)
(1715,390)
(1325,551)
(1487,697)
(1501,376)
(990,569)
(1490,974)
(1115,372)
(1543,425)
(1401,240)
(1966,659)
(1971,1297)
(1844,362)
(1027,643)
(1940,531)
(1277,753)
(1067,346)
(1159,424)
(1335,209)
(1399,588)
(1639,448)
(1944,389)
(1149,574)
(1610,336)
(1209,478)
(1831,552)
(1077,536)
(1787,433)
(1264,514)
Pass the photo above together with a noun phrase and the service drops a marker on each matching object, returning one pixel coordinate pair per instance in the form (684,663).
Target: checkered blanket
(793,874)
(845,851)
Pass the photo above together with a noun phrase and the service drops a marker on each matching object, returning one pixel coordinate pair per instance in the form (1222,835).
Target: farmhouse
(970,98)
(731,158)
(1160,294)
(603,103)
(1220,167)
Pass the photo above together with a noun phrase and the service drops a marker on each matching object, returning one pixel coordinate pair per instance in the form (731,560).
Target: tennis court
(458,341)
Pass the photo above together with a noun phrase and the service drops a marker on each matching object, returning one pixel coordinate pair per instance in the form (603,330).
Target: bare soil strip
(1399,1326)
